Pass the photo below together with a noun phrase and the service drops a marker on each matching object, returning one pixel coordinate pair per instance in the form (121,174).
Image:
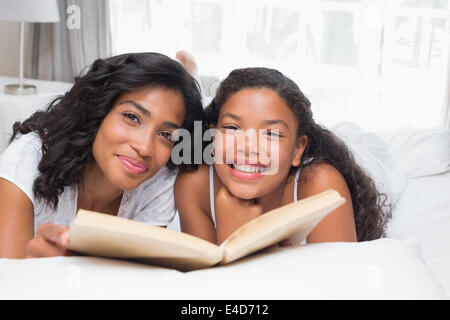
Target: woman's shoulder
(31,140)
(19,162)
(24,150)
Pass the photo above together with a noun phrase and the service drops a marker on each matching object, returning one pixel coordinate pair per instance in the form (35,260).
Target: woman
(103,146)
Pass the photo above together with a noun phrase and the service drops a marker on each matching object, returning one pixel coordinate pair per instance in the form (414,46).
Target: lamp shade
(29,10)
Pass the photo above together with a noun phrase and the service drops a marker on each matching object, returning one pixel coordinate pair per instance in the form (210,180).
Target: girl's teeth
(248,169)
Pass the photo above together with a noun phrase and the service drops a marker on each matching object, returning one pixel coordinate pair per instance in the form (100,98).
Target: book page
(104,235)
(296,219)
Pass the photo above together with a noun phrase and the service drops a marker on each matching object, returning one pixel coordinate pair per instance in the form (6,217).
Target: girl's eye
(273,133)
(230,127)
(131,117)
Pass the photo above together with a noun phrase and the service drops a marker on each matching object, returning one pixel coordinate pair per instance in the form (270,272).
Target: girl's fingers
(225,195)
(285,243)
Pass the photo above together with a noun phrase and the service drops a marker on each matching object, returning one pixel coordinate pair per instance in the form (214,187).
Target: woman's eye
(166,135)
(131,117)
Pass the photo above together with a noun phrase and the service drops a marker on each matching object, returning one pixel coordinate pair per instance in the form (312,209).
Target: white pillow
(424,211)
(373,154)
(378,269)
(421,151)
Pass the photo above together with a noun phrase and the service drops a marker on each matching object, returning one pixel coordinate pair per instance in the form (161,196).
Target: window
(382,64)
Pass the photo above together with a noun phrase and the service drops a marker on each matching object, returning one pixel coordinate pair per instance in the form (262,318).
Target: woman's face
(258,143)
(134,140)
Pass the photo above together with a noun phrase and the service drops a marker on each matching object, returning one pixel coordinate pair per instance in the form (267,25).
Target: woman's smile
(132,165)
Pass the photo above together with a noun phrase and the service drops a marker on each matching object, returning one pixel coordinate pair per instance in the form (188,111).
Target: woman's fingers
(38,248)
(55,233)
(50,240)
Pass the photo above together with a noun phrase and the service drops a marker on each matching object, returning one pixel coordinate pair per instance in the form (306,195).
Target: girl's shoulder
(195,176)
(318,177)
(339,225)
(193,185)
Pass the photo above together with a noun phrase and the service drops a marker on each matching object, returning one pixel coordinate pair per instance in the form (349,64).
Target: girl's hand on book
(233,212)
(51,240)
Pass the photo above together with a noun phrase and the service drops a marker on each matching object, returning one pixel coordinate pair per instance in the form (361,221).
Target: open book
(104,235)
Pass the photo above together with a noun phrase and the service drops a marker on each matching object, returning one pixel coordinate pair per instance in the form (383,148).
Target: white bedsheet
(379,269)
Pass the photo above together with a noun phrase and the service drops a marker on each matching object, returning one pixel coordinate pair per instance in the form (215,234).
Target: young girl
(103,146)
(215,200)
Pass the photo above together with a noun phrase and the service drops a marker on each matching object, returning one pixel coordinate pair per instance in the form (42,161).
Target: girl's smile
(250,166)
(246,172)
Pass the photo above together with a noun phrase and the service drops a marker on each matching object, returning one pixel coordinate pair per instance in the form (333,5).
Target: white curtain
(446,111)
(62,50)
(379,63)
(446,102)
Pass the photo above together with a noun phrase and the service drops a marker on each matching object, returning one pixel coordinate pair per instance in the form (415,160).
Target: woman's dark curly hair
(69,125)
(371,210)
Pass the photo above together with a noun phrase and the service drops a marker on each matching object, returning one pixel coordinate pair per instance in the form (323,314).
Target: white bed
(412,165)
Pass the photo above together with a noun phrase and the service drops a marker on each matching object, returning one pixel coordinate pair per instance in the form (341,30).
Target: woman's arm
(339,225)
(17,228)
(16,221)
(191,190)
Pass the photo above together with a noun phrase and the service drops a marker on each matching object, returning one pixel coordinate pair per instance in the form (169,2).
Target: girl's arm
(191,200)
(338,225)
(16,221)
(234,212)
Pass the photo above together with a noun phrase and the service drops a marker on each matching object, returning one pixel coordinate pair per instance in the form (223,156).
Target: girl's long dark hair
(69,125)
(371,210)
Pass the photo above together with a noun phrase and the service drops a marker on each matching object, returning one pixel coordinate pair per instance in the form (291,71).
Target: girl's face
(134,140)
(258,143)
